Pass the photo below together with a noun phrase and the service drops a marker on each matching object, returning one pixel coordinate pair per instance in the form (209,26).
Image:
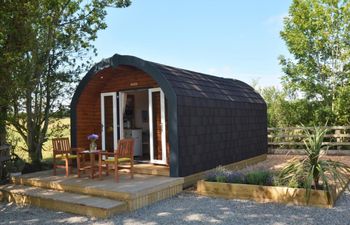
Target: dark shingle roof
(186,82)
(194,84)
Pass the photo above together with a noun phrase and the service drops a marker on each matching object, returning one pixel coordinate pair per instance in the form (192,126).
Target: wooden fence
(289,140)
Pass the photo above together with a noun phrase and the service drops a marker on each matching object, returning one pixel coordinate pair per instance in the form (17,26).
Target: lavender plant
(221,174)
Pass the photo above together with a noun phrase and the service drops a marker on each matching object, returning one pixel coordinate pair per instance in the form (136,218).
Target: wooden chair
(122,156)
(62,151)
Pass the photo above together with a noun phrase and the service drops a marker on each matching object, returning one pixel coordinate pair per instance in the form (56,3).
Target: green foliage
(221,179)
(284,111)
(275,100)
(259,178)
(16,164)
(44,46)
(316,33)
(316,78)
(342,106)
(313,171)
(57,128)
(220,174)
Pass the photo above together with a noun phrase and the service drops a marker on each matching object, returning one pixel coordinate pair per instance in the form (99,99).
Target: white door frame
(163,126)
(121,96)
(115,122)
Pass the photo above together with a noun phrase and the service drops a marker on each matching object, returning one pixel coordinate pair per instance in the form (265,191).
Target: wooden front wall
(89,106)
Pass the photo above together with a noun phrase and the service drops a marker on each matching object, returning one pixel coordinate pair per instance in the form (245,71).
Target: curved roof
(194,84)
(180,82)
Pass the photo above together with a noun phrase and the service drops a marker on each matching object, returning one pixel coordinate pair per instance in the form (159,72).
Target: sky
(227,38)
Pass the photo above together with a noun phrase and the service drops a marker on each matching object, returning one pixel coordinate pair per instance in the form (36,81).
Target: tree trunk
(31,137)
(34,153)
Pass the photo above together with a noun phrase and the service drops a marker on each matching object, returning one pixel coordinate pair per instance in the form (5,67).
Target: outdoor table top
(90,152)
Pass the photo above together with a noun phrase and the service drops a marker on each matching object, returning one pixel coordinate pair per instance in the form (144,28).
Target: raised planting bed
(260,193)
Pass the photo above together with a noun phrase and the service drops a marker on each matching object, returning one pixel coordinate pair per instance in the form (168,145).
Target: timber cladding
(88,112)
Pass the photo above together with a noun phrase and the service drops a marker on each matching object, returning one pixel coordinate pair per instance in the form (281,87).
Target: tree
(12,46)
(275,99)
(59,35)
(317,33)
(284,110)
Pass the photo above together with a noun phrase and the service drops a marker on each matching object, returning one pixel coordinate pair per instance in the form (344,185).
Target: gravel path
(188,208)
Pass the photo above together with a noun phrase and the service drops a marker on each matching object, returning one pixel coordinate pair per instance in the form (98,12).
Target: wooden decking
(93,197)
(150,169)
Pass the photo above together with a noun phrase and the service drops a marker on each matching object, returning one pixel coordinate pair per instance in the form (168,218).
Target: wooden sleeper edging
(295,196)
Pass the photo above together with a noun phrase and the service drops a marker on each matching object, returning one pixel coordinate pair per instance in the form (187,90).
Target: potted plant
(92,138)
(15,165)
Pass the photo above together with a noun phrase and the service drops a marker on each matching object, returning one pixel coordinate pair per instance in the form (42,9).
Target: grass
(59,128)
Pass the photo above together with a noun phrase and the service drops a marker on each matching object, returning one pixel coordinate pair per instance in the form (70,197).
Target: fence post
(338,138)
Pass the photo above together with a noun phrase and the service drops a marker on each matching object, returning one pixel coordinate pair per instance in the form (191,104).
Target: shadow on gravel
(13,214)
(192,209)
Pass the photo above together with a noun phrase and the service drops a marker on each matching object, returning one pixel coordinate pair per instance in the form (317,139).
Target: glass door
(157,126)
(109,121)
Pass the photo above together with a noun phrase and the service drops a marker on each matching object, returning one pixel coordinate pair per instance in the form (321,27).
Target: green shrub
(235,177)
(221,179)
(220,174)
(15,164)
(259,178)
(292,183)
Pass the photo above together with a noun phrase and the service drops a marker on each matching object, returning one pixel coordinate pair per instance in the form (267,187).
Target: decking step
(62,201)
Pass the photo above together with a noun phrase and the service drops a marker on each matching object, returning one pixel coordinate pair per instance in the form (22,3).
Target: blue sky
(237,39)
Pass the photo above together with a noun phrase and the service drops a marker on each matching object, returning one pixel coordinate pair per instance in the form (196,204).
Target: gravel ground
(188,208)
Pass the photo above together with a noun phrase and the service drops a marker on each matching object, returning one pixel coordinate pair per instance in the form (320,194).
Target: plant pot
(93,146)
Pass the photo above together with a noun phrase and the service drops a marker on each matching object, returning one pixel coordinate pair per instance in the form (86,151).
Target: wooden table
(83,165)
